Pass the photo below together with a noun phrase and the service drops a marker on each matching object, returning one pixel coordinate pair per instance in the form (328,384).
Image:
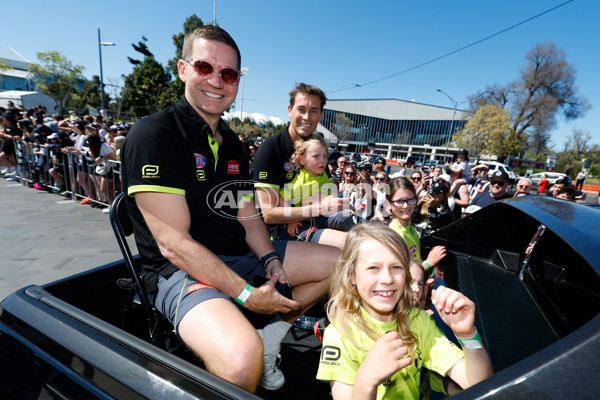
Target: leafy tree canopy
(544,91)
(57,77)
(488,132)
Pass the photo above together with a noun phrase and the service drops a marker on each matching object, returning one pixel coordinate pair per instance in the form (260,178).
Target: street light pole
(100,44)
(455,104)
(244,71)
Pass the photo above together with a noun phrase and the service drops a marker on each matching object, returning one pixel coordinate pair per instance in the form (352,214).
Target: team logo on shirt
(150,171)
(289,167)
(233,167)
(413,249)
(263,175)
(330,353)
(200,160)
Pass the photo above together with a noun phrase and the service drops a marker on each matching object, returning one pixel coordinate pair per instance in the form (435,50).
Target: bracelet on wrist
(243,296)
(267,257)
(271,259)
(427,265)
(473,343)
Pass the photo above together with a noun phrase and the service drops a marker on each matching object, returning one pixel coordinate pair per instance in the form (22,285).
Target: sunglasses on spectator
(497,183)
(379,179)
(342,162)
(523,186)
(205,69)
(415,178)
(349,173)
(400,202)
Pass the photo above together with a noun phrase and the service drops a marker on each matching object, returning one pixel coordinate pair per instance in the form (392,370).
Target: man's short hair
(307,90)
(562,181)
(525,180)
(209,32)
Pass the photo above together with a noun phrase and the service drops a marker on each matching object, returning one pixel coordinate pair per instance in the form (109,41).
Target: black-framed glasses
(229,76)
(497,183)
(400,202)
(379,179)
(349,173)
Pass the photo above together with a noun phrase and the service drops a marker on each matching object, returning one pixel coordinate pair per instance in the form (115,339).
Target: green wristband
(473,343)
(427,265)
(241,299)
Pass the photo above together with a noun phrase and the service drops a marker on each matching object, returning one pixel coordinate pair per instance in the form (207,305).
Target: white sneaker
(271,377)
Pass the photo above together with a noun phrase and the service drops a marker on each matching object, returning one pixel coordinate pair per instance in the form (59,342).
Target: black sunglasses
(497,183)
(205,69)
(349,173)
(379,179)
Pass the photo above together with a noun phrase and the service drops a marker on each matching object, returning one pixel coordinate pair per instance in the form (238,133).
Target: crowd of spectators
(78,156)
(74,156)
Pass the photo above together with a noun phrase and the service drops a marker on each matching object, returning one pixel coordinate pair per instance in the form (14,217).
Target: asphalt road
(44,237)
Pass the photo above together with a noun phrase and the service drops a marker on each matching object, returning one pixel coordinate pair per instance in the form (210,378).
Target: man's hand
(266,299)
(330,205)
(455,309)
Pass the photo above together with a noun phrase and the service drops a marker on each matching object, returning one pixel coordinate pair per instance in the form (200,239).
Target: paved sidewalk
(44,237)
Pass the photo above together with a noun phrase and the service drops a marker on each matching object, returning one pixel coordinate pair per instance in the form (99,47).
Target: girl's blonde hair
(343,307)
(302,144)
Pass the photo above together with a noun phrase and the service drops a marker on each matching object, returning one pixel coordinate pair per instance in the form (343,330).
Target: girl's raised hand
(387,356)
(455,309)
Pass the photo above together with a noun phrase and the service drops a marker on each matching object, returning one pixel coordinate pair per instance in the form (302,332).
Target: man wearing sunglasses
(498,184)
(523,187)
(200,254)
(273,169)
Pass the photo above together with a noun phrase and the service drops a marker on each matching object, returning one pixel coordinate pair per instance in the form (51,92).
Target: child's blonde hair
(343,307)
(302,144)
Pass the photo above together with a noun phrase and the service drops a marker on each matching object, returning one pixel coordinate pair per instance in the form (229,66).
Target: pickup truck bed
(81,337)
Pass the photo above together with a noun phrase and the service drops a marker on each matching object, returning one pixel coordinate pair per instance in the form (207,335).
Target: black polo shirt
(272,165)
(170,152)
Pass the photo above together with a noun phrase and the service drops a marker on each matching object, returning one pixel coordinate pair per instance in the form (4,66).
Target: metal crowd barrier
(79,175)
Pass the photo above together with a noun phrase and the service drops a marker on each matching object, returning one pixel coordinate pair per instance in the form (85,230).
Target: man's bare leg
(225,340)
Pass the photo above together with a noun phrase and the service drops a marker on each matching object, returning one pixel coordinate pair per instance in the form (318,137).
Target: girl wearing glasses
(403,201)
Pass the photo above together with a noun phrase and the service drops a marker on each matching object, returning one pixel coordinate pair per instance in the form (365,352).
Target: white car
(552,178)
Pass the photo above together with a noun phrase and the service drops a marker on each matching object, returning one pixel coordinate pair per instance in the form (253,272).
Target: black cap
(10,116)
(464,153)
(498,174)
(380,160)
(438,187)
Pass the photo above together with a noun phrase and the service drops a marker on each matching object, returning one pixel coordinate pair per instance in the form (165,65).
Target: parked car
(529,264)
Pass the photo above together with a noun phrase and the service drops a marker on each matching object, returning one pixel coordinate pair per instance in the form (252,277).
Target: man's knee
(239,363)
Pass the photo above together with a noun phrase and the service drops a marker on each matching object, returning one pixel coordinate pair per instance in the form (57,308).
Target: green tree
(89,95)
(57,77)
(578,147)
(487,133)
(176,86)
(544,92)
(144,87)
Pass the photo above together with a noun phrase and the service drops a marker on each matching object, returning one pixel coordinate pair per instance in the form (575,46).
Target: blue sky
(332,44)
